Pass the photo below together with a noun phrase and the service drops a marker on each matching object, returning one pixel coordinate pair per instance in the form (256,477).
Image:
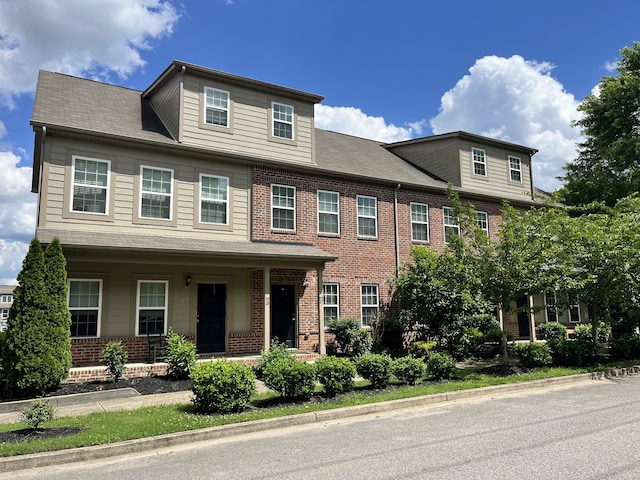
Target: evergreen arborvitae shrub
(335,374)
(181,355)
(408,369)
(30,363)
(222,386)
(375,367)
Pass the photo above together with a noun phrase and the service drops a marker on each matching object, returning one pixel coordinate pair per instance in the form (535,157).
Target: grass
(109,427)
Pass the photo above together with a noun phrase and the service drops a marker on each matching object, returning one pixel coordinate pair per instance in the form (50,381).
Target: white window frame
(448,215)
(224,202)
(369,300)
(283,207)
(420,222)
(4,313)
(479,157)
(215,107)
(164,308)
(160,194)
(7,298)
(278,117)
(96,307)
(75,184)
(326,295)
(515,169)
(551,307)
(364,216)
(482,219)
(335,214)
(575,307)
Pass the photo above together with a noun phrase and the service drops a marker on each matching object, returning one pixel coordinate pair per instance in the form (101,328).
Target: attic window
(216,110)
(282,120)
(479,162)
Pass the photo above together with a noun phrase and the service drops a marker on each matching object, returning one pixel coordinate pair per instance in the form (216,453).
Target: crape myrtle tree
(607,166)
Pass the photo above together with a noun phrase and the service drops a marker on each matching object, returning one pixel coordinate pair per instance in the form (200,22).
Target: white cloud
(11,256)
(517,101)
(78,37)
(353,121)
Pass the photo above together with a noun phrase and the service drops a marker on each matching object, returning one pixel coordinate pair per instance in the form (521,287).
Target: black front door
(523,318)
(283,314)
(212,313)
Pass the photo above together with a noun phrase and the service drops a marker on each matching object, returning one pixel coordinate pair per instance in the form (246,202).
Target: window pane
(213,213)
(90,181)
(156,206)
(151,321)
(152,294)
(328,223)
(158,181)
(84,303)
(217,106)
(282,121)
(283,219)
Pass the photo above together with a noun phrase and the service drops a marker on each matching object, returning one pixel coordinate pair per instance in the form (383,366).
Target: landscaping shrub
(584,332)
(284,374)
(114,358)
(573,353)
(350,337)
(181,355)
(335,374)
(422,348)
(375,367)
(626,347)
(532,355)
(440,366)
(361,342)
(551,331)
(41,411)
(494,335)
(388,336)
(222,386)
(408,369)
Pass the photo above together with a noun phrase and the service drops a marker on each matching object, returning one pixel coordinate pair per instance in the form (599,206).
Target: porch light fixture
(187,280)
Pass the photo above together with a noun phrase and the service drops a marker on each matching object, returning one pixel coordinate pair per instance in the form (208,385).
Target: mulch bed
(27,434)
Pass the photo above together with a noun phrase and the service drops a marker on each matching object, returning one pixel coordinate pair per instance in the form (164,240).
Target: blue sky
(389,71)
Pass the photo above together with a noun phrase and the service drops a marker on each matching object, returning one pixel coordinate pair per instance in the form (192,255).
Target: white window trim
(374,216)
(420,222)
(142,192)
(486,217)
(4,313)
(226,202)
(519,169)
(204,113)
(548,306)
(474,161)
(273,207)
(337,214)
(369,305)
(275,120)
(165,308)
(575,306)
(99,307)
(8,298)
(73,184)
(451,225)
(337,304)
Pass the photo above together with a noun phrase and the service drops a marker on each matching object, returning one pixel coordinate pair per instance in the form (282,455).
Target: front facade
(209,204)
(6,299)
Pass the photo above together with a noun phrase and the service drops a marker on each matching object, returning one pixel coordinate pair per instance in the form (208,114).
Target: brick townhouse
(210,204)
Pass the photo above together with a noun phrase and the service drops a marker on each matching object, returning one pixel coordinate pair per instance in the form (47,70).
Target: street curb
(72,399)
(12,464)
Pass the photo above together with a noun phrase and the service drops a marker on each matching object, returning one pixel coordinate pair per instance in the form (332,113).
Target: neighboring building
(210,204)
(6,299)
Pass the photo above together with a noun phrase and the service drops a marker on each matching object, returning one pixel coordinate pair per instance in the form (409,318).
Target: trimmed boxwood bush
(181,355)
(352,339)
(532,354)
(422,348)
(551,331)
(222,386)
(408,369)
(335,374)
(284,374)
(573,353)
(440,366)
(375,367)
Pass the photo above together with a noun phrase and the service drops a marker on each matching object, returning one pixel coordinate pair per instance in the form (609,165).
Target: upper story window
(331,300)
(4,313)
(451,224)
(90,185)
(282,120)
(328,212)
(367,216)
(369,305)
(6,298)
(419,222)
(479,162)
(216,109)
(214,199)
(482,219)
(551,306)
(515,169)
(85,297)
(283,207)
(156,192)
(152,307)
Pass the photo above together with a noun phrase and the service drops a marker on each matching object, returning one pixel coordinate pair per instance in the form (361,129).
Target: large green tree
(607,167)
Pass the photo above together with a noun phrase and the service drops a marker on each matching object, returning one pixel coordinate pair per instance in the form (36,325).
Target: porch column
(532,319)
(267,308)
(322,347)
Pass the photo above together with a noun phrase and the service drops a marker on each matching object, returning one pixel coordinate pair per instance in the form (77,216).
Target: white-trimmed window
(369,305)
(479,162)
(152,306)
(7,298)
(85,299)
(328,212)
(331,300)
(482,219)
(515,169)
(367,216)
(214,199)
(451,224)
(551,306)
(419,222)
(216,109)
(4,313)
(574,311)
(156,186)
(283,207)
(90,185)
(282,120)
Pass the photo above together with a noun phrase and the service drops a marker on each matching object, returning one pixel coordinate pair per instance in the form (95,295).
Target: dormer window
(479,162)
(216,110)
(282,120)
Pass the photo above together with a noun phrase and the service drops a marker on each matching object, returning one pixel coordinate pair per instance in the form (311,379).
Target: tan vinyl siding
(249,124)
(124,193)
(438,158)
(166,103)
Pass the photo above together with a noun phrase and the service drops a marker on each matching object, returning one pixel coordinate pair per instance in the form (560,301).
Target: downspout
(395,210)
(181,100)
(40,167)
